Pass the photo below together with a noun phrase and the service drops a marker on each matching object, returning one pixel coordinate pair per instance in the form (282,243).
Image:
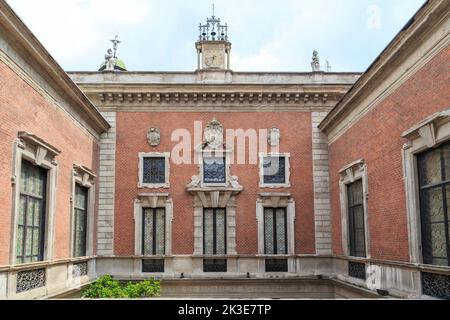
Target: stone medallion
(154,137)
(274,137)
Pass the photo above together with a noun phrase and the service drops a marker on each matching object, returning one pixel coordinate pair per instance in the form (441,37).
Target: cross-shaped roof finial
(115,45)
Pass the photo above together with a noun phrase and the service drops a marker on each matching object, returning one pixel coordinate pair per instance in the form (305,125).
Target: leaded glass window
(214,170)
(275,231)
(274,170)
(80,221)
(31,219)
(356,219)
(214,232)
(434,183)
(154,238)
(154,170)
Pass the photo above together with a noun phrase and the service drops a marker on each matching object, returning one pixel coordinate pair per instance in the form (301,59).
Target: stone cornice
(431,16)
(205,97)
(34,53)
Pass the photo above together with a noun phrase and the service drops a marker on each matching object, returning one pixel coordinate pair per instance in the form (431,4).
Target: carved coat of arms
(214,134)
(154,137)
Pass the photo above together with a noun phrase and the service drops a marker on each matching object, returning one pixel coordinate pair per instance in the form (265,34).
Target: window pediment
(40,149)
(432,130)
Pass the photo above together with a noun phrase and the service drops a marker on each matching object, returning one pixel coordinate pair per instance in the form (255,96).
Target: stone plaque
(274,137)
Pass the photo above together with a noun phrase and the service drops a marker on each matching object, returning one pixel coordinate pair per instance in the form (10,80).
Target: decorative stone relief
(80,270)
(213,135)
(30,280)
(274,137)
(154,137)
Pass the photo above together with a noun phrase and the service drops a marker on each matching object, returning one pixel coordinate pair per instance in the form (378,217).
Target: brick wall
(23,109)
(296,138)
(377,139)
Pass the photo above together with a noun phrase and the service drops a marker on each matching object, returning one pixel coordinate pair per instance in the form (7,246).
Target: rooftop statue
(112,63)
(315,64)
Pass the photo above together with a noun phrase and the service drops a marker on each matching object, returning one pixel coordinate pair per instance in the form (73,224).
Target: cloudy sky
(267,35)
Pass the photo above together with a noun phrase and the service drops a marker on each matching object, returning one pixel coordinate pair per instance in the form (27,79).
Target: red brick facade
(22,108)
(296,133)
(376,138)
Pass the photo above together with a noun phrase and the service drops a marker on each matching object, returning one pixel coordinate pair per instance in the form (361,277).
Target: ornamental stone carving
(154,137)
(274,137)
(213,135)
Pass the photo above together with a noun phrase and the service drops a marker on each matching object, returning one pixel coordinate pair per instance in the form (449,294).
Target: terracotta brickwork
(22,108)
(296,139)
(376,138)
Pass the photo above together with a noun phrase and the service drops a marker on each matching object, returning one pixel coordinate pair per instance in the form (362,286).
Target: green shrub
(108,288)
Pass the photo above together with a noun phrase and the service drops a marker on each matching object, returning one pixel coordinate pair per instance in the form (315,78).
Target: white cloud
(264,60)
(71,28)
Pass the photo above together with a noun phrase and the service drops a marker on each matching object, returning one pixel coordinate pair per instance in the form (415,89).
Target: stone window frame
(210,200)
(227,153)
(277,200)
(152,201)
(351,173)
(31,148)
(426,135)
(287,183)
(142,156)
(85,178)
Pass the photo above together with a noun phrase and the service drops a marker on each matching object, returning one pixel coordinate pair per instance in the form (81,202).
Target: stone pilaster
(105,226)
(322,209)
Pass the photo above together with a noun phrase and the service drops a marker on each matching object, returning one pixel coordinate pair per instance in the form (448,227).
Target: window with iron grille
(80,221)
(275,231)
(31,219)
(215,265)
(154,170)
(214,170)
(356,219)
(154,229)
(276,265)
(214,232)
(434,184)
(153,266)
(274,170)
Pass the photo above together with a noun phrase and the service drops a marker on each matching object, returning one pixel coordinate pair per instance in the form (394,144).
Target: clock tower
(213,47)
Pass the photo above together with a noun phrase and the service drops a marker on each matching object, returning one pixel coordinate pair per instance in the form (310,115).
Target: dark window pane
(275,231)
(214,232)
(274,170)
(80,226)
(430,164)
(214,170)
(434,202)
(154,228)
(153,266)
(276,265)
(154,170)
(30,226)
(215,265)
(269,227)
(356,219)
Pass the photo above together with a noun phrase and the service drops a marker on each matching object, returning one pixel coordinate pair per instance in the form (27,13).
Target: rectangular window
(356,219)
(154,170)
(274,170)
(434,177)
(275,231)
(31,220)
(154,229)
(80,221)
(214,232)
(214,170)
(152,266)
